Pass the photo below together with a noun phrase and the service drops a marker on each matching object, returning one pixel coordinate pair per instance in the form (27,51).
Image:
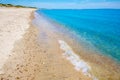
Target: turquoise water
(101,27)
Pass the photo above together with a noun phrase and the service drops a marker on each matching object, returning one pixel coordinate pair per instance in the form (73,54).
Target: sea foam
(80,65)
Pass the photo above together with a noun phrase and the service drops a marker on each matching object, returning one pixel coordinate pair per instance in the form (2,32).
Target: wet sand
(38,56)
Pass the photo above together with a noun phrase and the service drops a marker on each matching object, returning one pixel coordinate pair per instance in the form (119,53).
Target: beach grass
(17,6)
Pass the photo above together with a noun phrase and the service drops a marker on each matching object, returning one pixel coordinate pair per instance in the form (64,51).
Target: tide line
(79,64)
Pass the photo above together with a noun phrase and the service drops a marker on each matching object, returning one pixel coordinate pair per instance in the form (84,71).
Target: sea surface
(99,28)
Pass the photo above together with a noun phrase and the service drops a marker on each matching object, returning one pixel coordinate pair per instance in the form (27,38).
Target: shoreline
(77,38)
(38,55)
(102,66)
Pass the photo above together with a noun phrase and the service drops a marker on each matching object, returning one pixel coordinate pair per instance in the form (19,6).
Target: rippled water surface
(99,27)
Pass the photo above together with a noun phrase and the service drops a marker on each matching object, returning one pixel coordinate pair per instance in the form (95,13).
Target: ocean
(99,28)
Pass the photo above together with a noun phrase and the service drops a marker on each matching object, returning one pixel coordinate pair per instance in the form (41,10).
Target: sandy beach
(13,25)
(32,49)
(23,56)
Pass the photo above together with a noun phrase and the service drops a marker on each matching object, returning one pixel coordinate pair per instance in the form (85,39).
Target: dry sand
(13,24)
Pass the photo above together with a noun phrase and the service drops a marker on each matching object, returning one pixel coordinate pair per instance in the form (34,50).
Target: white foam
(80,65)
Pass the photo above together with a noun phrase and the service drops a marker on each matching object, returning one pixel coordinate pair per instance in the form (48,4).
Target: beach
(25,57)
(32,48)
(13,25)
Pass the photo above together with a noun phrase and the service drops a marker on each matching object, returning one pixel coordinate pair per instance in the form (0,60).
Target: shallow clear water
(99,27)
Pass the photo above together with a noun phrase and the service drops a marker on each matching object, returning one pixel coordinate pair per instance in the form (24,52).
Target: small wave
(76,60)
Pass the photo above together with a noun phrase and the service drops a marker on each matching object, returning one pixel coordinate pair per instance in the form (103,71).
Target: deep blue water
(101,27)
